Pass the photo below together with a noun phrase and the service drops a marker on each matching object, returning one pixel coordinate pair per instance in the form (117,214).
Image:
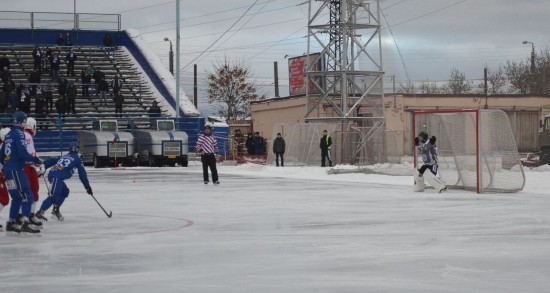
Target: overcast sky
(433,35)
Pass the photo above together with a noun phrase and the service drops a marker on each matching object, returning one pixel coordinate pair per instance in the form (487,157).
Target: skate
(216,182)
(35,222)
(205,182)
(1,228)
(12,227)
(40,216)
(27,228)
(56,214)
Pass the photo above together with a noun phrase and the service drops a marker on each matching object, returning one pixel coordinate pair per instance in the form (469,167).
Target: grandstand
(144,79)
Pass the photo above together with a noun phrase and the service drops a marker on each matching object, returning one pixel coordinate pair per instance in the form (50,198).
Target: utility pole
(485,87)
(178,69)
(276,82)
(195,86)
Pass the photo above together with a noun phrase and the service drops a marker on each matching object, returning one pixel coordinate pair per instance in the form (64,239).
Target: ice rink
(292,229)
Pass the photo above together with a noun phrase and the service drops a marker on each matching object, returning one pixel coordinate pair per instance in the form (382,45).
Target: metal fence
(60,20)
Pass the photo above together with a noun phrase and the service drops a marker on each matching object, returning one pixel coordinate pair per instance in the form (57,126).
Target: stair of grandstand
(138,96)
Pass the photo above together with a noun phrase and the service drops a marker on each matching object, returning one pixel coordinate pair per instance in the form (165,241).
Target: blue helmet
(74,147)
(19,118)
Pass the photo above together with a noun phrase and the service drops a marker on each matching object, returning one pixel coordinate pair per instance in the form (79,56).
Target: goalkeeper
(428,149)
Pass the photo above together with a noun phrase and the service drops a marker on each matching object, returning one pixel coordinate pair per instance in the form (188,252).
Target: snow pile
(543,168)
(168,80)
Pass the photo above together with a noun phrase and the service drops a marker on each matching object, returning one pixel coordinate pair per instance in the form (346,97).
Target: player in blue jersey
(13,157)
(62,168)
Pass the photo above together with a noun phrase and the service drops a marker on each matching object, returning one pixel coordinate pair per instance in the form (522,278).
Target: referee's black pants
(209,161)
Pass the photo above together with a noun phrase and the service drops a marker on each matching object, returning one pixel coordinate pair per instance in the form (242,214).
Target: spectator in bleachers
(25,101)
(56,62)
(9,85)
(19,91)
(4,63)
(61,106)
(9,108)
(5,75)
(40,107)
(48,97)
(98,76)
(12,100)
(116,85)
(62,86)
(35,79)
(60,41)
(87,81)
(37,57)
(71,58)
(71,98)
(68,41)
(48,57)
(119,101)
(154,110)
(3,100)
(103,89)
(107,41)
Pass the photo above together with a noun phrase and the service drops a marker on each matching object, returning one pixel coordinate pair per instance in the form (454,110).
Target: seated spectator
(154,110)
(60,41)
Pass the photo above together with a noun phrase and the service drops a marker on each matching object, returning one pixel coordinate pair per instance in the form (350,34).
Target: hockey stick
(110,214)
(49,191)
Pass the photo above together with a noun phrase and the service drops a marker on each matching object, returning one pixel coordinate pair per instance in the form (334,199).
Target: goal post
(477,149)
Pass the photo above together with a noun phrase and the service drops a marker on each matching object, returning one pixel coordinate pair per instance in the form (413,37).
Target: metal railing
(60,20)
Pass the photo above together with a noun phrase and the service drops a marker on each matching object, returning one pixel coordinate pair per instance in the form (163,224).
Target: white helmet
(4,132)
(31,125)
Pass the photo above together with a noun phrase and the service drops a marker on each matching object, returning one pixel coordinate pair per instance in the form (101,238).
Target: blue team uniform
(14,156)
(63,169)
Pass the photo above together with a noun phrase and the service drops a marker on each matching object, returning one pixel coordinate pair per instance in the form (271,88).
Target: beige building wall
(524,111)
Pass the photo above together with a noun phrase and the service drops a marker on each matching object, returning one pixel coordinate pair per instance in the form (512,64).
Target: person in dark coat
(154,110)
(68,41)
(103,88)
(107,40)
(12,101)
(5,75)
(62,86)
(71,58)
(4,63)
(37,58)
(25,101)
(71,98)
(279,147)
(259,144)
(48,97)
(55,64)
(119,100)
(325,144)
(250,144)
(98,76)
(116,85)
(47,60)
(60,41)
(61,106)
(35,78)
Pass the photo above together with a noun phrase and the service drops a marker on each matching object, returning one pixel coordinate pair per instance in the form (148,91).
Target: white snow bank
(168,80)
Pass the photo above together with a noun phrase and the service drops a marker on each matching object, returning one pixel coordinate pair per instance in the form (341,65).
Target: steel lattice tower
(347,77)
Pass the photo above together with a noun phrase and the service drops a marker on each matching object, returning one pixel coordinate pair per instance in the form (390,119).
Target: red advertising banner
(297,67)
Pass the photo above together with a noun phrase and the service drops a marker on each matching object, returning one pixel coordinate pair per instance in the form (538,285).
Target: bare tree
(525,80)
(408,88)
(458,84)
(496,80)
(429,88)
(230,87)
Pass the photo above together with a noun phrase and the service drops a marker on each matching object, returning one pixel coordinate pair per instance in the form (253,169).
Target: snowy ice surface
(292,229)
(169,81)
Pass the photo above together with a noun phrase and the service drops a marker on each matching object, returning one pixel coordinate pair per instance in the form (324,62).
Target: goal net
(477,149)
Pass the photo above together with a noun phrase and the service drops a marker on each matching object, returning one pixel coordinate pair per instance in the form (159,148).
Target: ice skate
(35,222)
(12,227)
(1,228)
(216,182)
(40,216)
(205,182)
(56,214)
(28,229)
